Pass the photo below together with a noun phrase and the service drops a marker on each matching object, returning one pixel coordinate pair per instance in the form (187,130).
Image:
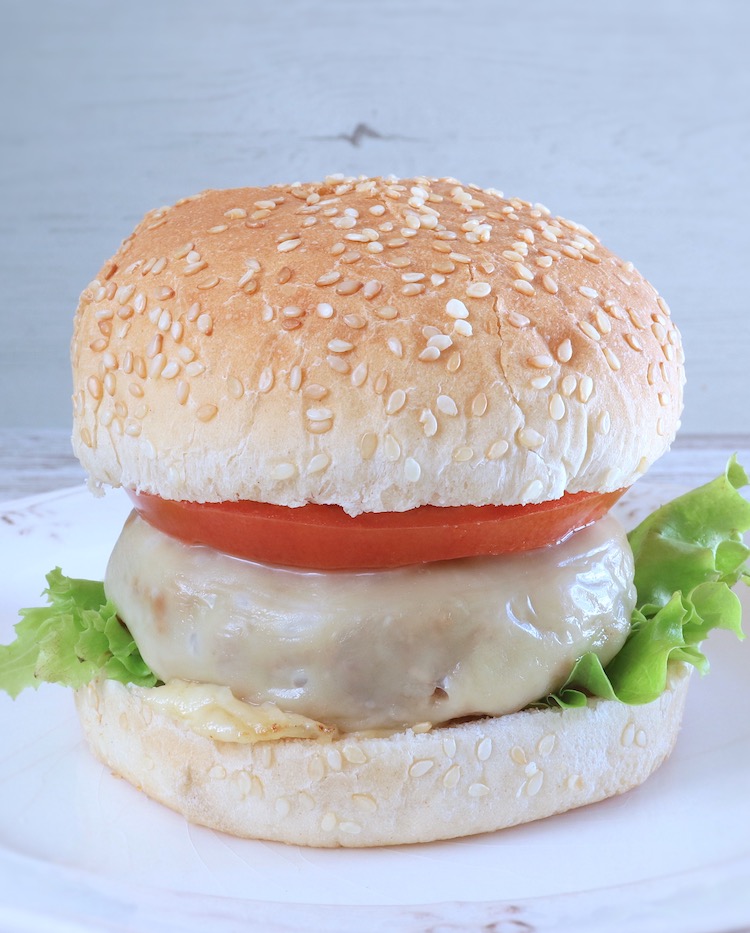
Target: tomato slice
(324,537)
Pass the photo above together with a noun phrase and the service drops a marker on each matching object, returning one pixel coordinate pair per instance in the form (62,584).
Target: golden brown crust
(371,343)
(453,781)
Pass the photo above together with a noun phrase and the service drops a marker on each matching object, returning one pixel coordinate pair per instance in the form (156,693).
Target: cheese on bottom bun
(355,417)
(408,787)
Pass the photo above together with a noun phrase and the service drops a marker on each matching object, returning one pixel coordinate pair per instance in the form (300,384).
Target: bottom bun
(456,780)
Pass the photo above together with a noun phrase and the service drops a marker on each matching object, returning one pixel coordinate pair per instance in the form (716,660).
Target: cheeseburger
(370,592)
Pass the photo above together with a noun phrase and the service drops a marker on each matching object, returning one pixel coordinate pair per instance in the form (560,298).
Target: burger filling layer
(377,649)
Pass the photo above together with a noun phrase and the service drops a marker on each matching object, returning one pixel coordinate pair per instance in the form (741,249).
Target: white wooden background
(632,116)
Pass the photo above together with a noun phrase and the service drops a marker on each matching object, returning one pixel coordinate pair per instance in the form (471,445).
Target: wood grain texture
(632,117)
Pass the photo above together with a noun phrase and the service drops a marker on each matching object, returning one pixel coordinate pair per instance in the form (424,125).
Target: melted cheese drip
(376,650)
(216,713)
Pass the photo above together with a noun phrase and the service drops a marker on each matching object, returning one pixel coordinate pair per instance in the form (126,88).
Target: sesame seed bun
(371,343)
(452,781)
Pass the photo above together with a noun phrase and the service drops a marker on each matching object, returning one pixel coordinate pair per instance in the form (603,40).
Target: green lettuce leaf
(74,639)
(688,554)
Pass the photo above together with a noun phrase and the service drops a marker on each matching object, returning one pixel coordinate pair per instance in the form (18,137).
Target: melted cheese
(376,650)
(215,712)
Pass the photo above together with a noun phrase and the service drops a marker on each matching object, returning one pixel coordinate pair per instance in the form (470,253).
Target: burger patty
(382,649)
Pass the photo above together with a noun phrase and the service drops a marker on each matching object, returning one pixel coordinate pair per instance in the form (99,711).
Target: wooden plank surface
(632,116)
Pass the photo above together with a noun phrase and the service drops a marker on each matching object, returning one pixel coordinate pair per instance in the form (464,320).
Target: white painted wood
(632,116)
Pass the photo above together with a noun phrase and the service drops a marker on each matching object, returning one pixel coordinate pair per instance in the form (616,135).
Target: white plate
(82,850)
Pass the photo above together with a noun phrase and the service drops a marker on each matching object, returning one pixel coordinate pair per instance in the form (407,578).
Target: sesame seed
(206,413)
(664,306)
(412,470)
(194,267)
(479,405)
(478,790)
(324,310)
(452,776)
(319,414)
(568,385)
(156,365)
(478,289)
(455,308)
(124,294)
(381,383)
(95,387)
(534,784)
(524,287)
(348,287)
(556,407)
(338,365)
(421,767)
(283,471)
(205,324)
(497,450)
(659,332)
(523,272)
(588,292)
(585,388)
(529,438)
(288,245)
(235,387)
(517,319)
(549,284)
(540,361)
(612,359)
(462,454)
(428,422)
(589,330)
(446,405)
(396,401)
(430,354)
(395,346)
(315,391)
(565,351)
(413,289)
(544,262)
(367,445)
(449,746)
(460,257)
(340,346)
(328,278)
(463,328)
(454,362)
(371,289)
(484,749)
(359,374)
(441,341)
(329,822)
(391,448)
(170,370)
(265,382)
(540,382)
(633,341)
(602,322)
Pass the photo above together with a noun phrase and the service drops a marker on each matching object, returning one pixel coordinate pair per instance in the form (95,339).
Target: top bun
(374,343)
